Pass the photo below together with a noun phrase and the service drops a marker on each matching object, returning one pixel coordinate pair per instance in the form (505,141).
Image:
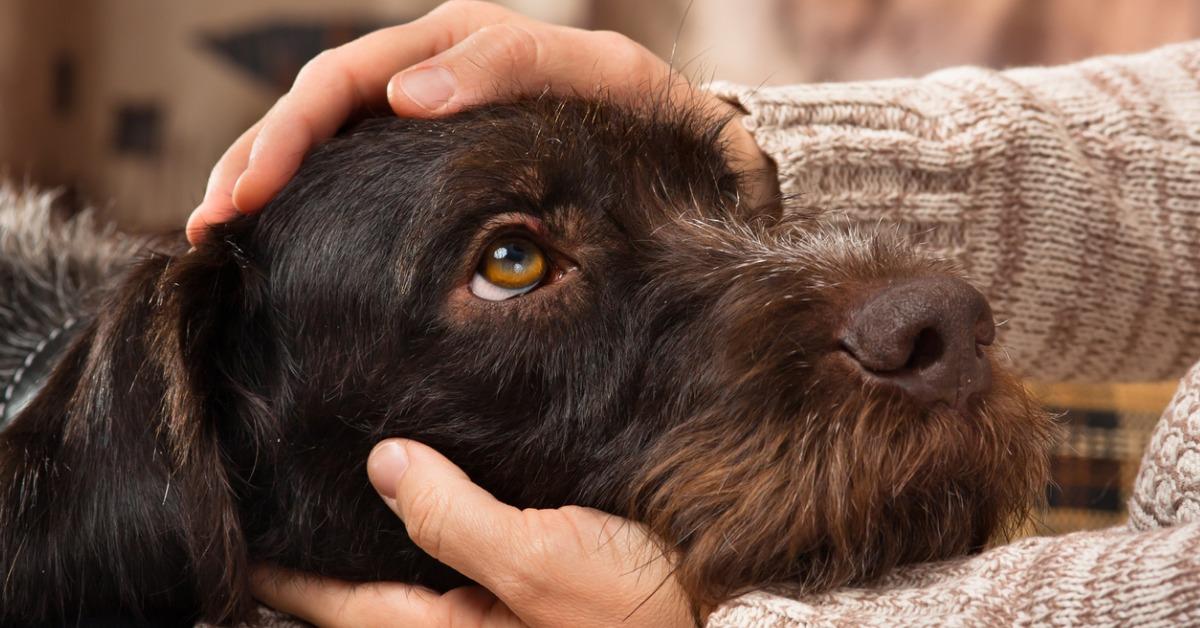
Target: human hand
(461,54)
(568,566)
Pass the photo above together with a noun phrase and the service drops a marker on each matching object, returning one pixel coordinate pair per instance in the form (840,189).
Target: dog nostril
(925,336)
(927,350)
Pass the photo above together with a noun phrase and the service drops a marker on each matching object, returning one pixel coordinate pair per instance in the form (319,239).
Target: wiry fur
(825,479)
(48,271)
(683,371)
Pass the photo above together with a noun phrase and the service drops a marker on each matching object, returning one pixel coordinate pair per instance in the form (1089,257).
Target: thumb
(449,517)
(496,62)
(506,61)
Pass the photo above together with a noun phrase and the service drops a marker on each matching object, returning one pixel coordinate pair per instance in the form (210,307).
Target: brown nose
(924,335)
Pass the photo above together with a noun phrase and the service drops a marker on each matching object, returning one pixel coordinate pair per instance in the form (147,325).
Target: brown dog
(568,300)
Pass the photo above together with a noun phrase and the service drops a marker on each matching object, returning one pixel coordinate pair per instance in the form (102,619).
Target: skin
(567,566)
(560,567)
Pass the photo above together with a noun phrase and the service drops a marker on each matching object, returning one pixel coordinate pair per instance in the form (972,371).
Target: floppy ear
(117,495)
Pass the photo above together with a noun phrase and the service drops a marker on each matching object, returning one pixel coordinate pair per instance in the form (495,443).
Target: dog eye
(510,267)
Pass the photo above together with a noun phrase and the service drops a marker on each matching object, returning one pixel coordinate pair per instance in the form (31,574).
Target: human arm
(1095,578)
(1068,194)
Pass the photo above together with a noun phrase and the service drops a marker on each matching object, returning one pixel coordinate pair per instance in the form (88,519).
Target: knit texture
(1167,489)
(1071,196)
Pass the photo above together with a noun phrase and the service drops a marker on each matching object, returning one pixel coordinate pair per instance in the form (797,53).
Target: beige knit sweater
(1071,196)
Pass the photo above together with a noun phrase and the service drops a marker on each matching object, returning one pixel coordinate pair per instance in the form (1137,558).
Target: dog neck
(122,382)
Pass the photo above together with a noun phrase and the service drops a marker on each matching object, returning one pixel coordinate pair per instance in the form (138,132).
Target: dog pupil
(512,254)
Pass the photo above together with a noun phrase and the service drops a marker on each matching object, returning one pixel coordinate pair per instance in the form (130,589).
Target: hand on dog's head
(565,298)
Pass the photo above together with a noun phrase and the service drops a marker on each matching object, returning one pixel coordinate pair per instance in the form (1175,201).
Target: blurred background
(126,104)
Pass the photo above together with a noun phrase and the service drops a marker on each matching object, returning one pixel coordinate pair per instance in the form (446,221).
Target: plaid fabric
(1108,427)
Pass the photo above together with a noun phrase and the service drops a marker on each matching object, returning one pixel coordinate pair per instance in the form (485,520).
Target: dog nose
(924,335)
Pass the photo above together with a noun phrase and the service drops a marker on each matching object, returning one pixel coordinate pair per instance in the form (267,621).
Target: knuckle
(276,106)
(426,516)
(621,52)
(612,39)
(625,52)
(510,45)
(275,113)
(324,62)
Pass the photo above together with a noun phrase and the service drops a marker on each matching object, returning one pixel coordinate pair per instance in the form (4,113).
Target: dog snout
(925,336)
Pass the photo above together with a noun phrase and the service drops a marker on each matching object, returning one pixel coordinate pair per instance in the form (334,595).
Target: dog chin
(840,494)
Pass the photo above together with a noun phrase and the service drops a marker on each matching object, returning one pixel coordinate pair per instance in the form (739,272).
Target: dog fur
(680,368)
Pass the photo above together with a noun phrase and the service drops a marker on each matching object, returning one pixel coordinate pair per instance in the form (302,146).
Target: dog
(570,298)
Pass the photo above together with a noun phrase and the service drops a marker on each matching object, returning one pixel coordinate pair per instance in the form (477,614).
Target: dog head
(570,300)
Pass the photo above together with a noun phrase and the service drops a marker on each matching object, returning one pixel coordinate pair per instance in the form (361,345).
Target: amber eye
(511,266)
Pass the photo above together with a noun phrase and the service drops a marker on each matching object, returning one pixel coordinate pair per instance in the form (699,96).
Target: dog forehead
(388,189)
(636,166)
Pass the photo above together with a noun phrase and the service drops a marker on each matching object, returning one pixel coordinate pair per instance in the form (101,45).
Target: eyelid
(508,224)
(511,222)
(488,291)
(521,225)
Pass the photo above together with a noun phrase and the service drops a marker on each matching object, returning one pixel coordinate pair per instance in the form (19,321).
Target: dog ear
(118,497)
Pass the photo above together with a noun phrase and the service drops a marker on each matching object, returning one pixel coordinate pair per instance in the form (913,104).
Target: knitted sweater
(1071,196)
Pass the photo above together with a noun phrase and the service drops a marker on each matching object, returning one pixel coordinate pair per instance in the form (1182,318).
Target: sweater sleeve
(1167,489)
(1100,578)
(1146,573)
(1069,195)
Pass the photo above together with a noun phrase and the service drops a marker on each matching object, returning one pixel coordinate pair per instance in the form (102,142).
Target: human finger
(523,58)
(341,81)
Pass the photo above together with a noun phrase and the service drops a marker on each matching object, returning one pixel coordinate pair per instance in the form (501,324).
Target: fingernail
(387,462)
(428,87)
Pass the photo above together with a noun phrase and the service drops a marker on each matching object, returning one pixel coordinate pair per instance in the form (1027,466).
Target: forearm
(1096,578)
(1069,195)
